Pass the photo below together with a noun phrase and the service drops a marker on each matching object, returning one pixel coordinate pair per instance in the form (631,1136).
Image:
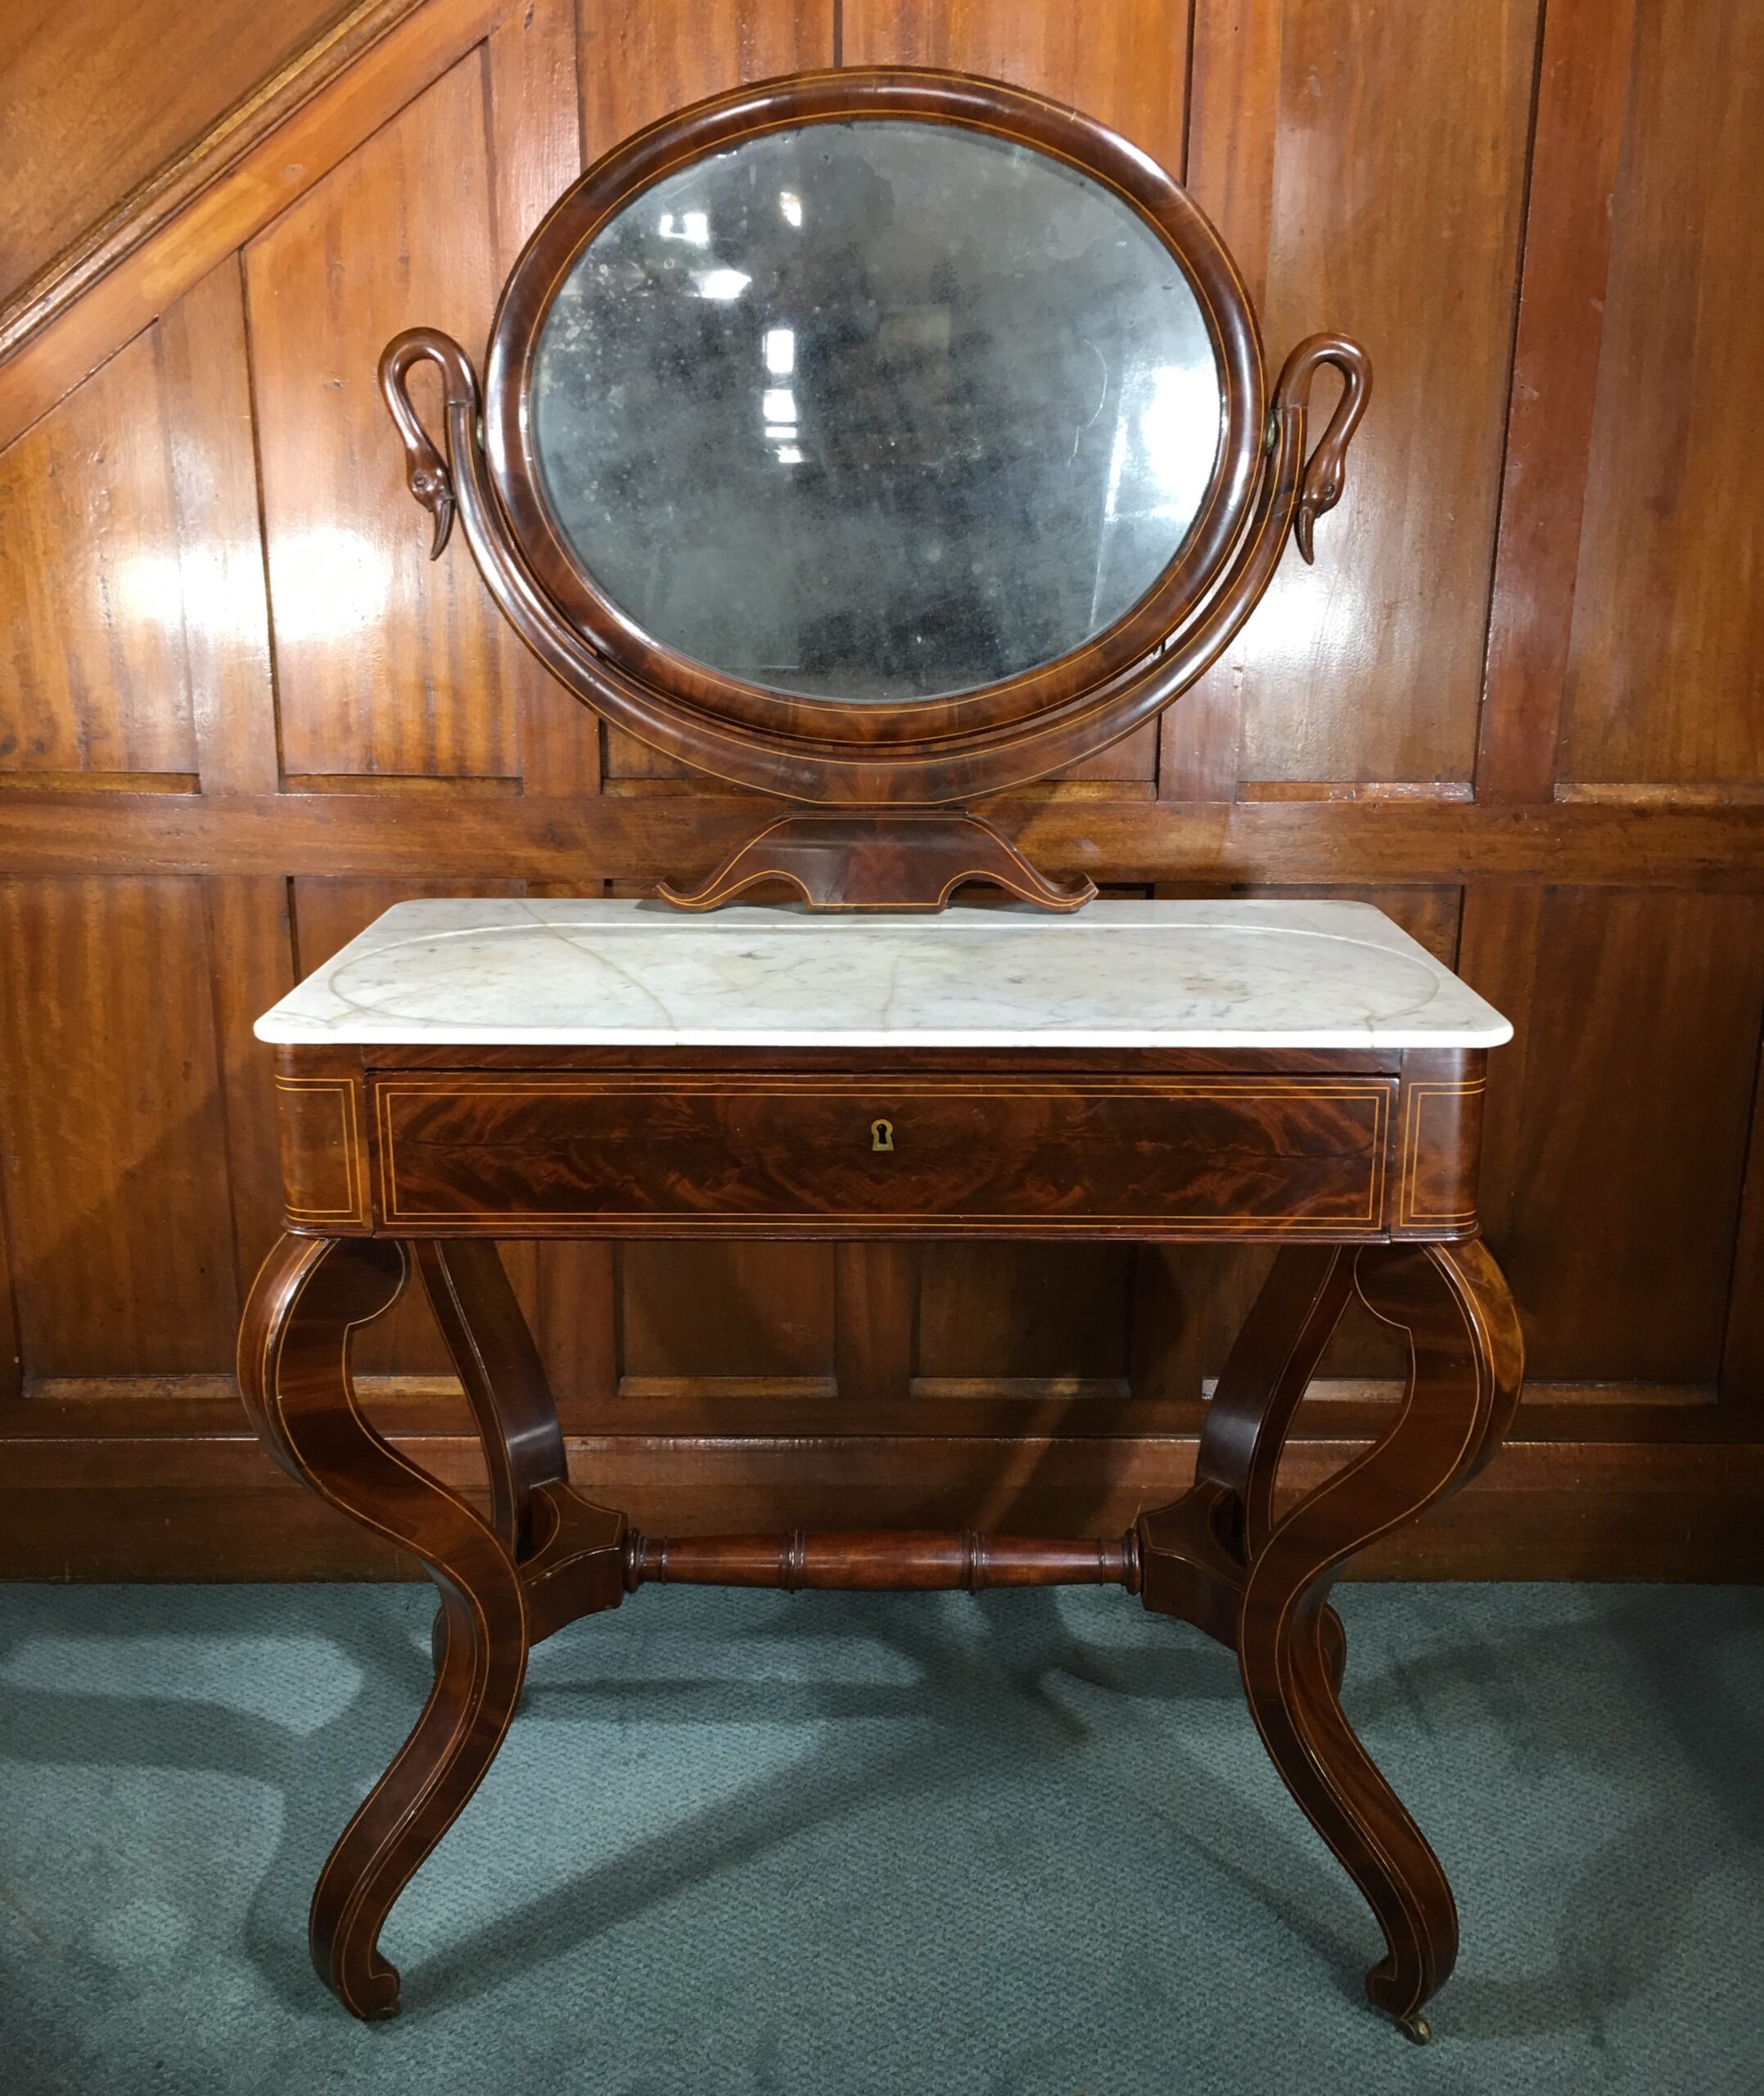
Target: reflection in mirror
(876,411)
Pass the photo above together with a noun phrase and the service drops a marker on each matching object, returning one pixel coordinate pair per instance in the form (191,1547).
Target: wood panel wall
(99,99)
(1516,702)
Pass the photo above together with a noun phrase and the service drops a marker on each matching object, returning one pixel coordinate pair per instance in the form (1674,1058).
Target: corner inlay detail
(322,1166)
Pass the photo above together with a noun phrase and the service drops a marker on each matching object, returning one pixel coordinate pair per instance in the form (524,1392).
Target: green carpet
(741,1845)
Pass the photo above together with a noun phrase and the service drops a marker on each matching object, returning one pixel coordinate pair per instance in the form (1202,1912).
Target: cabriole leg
(1195,1554)
(504,1380)
(569,1550)
(1219,1559)
(1466,1365)
(294,1372)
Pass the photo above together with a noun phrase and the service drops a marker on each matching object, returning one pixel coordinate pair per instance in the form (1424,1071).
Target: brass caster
(1416,2029)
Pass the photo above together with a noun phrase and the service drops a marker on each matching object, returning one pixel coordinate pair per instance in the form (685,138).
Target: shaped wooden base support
(1218,1557)
(881,859)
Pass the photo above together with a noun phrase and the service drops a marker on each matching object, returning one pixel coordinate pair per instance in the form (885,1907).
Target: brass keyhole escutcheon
(881,1135)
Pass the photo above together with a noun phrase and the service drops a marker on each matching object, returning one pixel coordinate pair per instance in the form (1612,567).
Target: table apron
(1350,1158)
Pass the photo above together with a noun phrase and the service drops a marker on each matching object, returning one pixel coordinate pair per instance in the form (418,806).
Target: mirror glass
(875,411)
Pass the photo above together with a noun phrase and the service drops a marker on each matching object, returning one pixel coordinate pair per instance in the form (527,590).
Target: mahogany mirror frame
(915,754)
(677,142)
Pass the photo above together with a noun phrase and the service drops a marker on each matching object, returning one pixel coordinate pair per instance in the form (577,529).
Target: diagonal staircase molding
(265,153)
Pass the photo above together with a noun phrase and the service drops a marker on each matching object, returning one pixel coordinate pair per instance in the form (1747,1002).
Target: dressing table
(874,440)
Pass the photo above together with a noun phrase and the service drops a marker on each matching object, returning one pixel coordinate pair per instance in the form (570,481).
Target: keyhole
(881,1135)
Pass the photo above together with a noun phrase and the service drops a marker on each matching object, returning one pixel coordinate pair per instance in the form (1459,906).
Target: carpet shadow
(977,1709)
(1606,1956)
(982,1709)
(319,1775)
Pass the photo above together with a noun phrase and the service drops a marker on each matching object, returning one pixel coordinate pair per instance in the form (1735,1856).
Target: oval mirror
(876,439)
(875,411)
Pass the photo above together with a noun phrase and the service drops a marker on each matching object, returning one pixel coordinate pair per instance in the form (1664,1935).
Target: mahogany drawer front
(676,1155)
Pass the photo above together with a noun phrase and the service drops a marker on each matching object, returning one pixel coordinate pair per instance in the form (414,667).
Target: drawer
(685,1155)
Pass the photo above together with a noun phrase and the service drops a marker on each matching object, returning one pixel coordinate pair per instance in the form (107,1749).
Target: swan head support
(433,487)
(426,471)
(1325,473)
(1311,505)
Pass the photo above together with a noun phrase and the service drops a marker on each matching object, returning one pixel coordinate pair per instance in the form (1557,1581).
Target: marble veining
(876,411)
(1242,973)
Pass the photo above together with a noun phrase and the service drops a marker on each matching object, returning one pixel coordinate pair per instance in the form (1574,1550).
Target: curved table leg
(568,1549)
(1265,1374)
(1195,1553)
(1466,1365)
(294,1372)
(504,1379)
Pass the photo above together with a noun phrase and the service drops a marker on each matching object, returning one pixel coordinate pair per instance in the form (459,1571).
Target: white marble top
(1242,974)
